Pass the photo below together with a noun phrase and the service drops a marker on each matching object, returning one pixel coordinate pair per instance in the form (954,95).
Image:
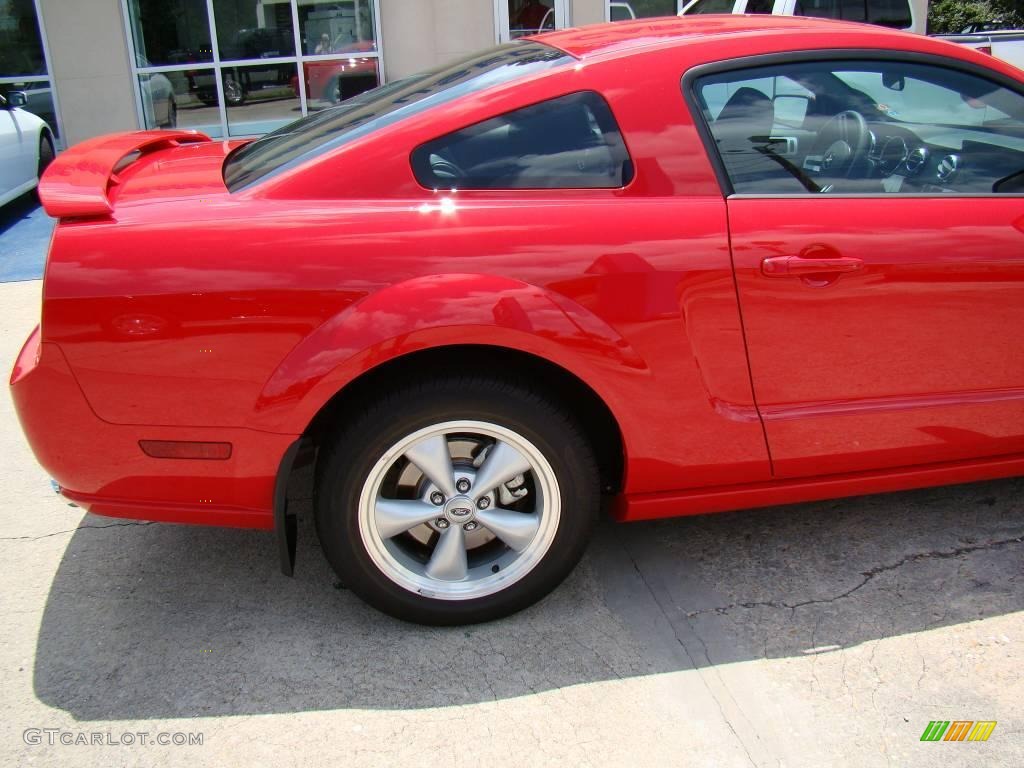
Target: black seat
(742,131)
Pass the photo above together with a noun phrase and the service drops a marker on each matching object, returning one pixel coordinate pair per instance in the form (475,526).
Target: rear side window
(330,128)
(886,13)
(571,142)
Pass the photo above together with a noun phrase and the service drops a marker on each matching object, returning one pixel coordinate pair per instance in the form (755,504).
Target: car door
(880,268)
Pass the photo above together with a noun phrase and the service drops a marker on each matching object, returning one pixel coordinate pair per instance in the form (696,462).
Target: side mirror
(17,99)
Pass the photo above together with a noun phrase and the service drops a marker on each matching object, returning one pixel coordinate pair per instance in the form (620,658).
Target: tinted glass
(181,99)
(170,32)
(261,97)
(711,6)
(571,142)
(865,127)
(889,13)
(886,13)
(642,9)
(248,30)
(21,45)
(528,17)
(374,109)
(336,27)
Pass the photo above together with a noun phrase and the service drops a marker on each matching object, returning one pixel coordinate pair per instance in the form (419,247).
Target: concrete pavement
(817,635)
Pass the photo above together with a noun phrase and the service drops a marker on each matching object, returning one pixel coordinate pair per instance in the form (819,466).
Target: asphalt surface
(817,635)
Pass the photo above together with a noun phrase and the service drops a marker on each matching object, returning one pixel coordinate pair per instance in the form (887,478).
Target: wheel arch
(595,417)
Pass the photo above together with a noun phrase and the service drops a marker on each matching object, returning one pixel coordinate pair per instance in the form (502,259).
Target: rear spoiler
(77,182)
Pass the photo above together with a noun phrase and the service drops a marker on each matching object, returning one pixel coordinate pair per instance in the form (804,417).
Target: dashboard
(938,159)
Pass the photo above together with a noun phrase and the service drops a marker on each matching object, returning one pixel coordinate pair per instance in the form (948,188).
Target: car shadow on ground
(25,232)
(18,210)
(160,621)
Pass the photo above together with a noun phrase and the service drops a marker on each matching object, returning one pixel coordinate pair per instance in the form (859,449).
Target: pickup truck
(1005,44)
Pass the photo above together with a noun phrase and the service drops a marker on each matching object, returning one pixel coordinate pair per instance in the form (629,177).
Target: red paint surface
(175,311)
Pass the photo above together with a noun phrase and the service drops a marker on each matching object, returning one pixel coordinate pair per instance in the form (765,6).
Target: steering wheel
(842,146)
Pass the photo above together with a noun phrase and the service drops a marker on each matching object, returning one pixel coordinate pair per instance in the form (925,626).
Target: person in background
(531,16)
(324,46)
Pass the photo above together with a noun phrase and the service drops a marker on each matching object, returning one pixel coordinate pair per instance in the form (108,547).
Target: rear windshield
(369,111)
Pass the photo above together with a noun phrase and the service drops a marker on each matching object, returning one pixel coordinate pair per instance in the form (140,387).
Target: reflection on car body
(684,264)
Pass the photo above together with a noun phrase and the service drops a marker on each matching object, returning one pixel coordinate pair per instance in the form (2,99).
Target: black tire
(347,460)
(46,156)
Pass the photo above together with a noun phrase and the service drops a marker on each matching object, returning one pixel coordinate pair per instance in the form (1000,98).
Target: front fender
(437,311)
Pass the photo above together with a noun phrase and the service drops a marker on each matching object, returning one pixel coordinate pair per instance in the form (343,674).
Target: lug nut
(437,498)
(472,525)
(441,523)
(484,503)
(463,485)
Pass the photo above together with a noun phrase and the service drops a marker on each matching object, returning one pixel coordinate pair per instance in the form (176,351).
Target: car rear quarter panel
(250,311)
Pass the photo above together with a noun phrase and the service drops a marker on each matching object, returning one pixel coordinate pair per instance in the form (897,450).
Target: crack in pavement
(73,530)
(698,668)
(868,576)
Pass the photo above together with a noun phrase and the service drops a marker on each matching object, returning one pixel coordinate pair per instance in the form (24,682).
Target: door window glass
(886,13)
(864,127)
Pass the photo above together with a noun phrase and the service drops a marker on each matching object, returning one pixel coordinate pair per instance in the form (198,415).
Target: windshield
(369,111)
(931,97)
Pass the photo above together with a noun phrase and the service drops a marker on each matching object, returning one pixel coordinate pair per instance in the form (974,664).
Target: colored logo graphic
(958,730)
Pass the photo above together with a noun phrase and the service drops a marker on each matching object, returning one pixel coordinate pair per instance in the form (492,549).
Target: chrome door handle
(801,266)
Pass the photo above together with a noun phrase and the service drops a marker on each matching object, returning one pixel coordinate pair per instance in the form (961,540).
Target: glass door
(24,61)
(519,18)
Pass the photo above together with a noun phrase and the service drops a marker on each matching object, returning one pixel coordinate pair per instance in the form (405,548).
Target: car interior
(911,129)
(567,142)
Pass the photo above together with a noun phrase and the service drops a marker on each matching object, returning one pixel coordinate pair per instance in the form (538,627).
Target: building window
(246,67)
(24,63)
(627,10)
(519,18)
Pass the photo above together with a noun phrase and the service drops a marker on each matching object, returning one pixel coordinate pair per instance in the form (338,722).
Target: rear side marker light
(178,449)
(984,49)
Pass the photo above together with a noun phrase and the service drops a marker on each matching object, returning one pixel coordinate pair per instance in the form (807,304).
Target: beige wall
(92,76)
(418,34)
(89,67)
(587,12)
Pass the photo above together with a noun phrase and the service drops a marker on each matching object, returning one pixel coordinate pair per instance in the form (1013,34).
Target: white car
(908,15)
(26,148)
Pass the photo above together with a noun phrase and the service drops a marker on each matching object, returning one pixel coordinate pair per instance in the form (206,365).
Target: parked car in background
(336,80)
(158,102)
(38,99)
(687,265)
(1005,44)
(26,147)
(908,15)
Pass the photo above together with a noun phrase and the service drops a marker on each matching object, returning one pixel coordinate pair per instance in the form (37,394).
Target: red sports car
(685,265)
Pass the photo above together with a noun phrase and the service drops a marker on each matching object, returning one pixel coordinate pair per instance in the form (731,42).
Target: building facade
(244,67)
